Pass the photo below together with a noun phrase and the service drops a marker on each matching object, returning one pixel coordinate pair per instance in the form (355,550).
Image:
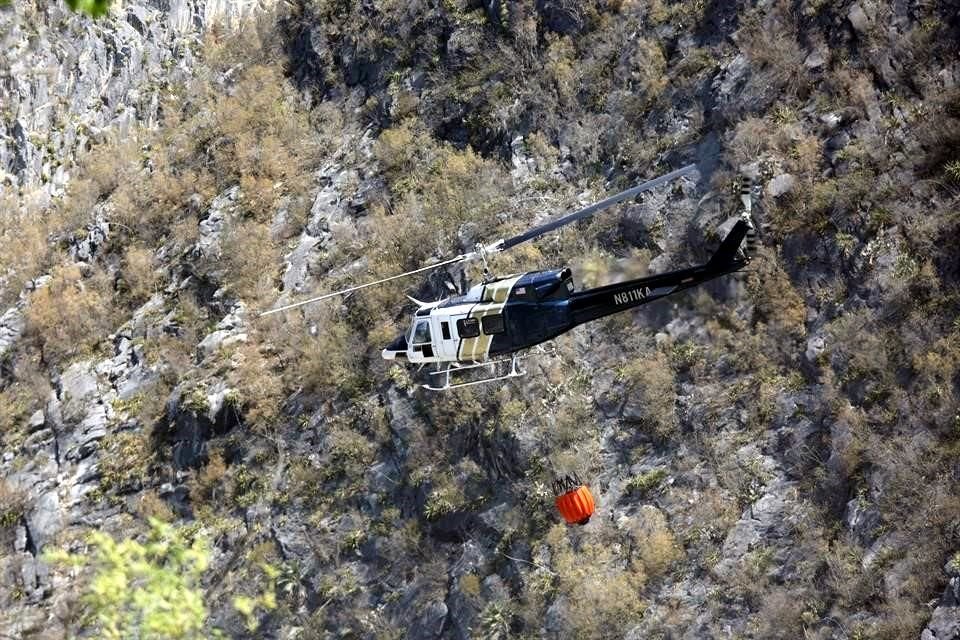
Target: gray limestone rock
(524,167)
(493,588)
(11,328)
(762,522)
(84,245)
(944,624)
(294,540)
(733,76)
(45,519)
(229,332)
(329,205)
(781,185)
(463,44)
(213,225)
(298,264)
(816,344)
(383,477)
(862,519)
(78,388)
(831,120)
(558,615)
(430,623)
(218,340)
(36,421)
(815,60)
(858,18)
(20,539)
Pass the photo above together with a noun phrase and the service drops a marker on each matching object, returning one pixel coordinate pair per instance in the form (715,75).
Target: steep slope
(774,456)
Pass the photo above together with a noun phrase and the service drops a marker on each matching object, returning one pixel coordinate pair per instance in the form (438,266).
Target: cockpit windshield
(421,334)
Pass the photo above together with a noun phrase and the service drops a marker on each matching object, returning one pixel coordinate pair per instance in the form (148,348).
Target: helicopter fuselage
(509,314)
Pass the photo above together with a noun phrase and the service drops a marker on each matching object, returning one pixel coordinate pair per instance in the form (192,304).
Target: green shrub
(150,589)
(124,461)
(952,169)
(645,482)
(13,504)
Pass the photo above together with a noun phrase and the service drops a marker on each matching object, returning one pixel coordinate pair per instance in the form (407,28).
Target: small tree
(148,590)
(93,8)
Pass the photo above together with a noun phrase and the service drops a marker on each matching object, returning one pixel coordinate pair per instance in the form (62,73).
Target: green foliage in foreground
(148,590)
(93,8)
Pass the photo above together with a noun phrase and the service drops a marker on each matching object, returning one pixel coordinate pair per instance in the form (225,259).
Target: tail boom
(612,298)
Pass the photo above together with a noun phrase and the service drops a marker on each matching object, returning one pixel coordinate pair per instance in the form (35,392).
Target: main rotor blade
(459,258)
(594,208)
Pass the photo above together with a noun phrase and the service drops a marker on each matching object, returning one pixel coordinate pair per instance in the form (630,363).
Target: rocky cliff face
(70,82)
(773,456)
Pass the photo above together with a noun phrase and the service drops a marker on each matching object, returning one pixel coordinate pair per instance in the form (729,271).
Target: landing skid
(456,367)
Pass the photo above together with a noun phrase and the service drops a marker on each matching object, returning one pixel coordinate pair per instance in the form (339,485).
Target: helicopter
(498,322)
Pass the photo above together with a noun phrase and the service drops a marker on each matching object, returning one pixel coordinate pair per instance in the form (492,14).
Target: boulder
(430,623)
(816,345)
(85,244)
(11,328)
(781,185)
(213,224)
(863,519)
(762,523)
(78,388)
(463,44)
(298,264)
(858,19)
(44,520)
(815,61)
(218,340)
(560,16)
(734,74)
(944,624)
(557,619)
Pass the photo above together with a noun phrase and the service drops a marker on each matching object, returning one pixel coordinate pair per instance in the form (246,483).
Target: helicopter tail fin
(730,249)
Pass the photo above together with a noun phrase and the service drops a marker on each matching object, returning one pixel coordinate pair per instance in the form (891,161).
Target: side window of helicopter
(445,330)
(493,325)
(468,328)
(421,334)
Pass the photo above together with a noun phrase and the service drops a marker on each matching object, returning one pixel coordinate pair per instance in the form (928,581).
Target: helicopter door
(449,341)
(421,341)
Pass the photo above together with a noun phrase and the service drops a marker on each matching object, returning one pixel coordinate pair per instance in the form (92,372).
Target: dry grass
(207,484)
(251,259)
(13,504)
(652,379)
(259,386)
(71,314)
(601,587)
(778,302)
(140,277)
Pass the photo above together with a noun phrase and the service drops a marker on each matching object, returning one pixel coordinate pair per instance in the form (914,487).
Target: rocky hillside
(774,455)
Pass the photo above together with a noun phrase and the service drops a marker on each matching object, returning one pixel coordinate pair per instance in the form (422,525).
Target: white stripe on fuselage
(492,301)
